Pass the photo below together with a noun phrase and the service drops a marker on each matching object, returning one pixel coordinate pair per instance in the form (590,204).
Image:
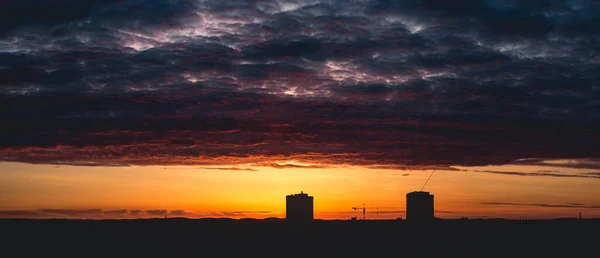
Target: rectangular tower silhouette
(419,206)
(299,207)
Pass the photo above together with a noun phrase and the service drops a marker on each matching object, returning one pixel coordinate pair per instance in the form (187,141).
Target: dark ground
(276,238)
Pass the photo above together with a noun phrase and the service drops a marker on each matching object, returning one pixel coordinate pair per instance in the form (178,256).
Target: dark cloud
(156,212)
(390,212)
(14,14)
(371,212)
(180,213)
(277,165)
(389,83)
(393,174)
(229,168)
(415,167)
(592,163)
(235,214)
(566,205)
(72,213)
(575,204)
(61,213)
(383,211)
(548,171)
(118,214)
(546,174)
(136,213)
(20,214)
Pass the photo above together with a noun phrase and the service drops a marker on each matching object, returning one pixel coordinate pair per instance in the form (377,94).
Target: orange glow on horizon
(259,191)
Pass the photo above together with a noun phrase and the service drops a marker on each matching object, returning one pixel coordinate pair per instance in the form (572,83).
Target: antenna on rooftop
(436,166)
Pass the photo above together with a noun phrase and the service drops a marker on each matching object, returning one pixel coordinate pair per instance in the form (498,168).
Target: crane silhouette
(364,210)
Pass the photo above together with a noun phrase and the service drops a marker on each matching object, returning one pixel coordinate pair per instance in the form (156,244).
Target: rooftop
(418,193)
(299,194)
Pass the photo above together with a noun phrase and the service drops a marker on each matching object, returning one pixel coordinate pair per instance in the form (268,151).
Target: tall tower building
(299,207)
(419,206)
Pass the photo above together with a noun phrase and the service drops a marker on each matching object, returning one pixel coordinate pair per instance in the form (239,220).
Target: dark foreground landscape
(275,238)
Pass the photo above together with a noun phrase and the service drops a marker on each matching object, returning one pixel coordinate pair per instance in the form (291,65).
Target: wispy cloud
(437,167)
(544,174)
(180,213)
(287,165)
(236,214)
(575,204)
(123,213)
(382,211)
(393,174)
(566,205)
(229,168)
(589,163)
(371,212)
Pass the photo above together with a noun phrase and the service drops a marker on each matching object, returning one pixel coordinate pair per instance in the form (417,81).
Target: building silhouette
(419,206)
(299,207)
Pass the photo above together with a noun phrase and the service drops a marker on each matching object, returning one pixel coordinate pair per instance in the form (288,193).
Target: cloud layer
(125,214)
(356,82)
(545,205)
(544,173)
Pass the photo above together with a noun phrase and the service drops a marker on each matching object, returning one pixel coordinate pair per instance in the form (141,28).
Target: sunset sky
(197,108)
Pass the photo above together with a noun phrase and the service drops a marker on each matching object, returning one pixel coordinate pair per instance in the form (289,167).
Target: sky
(193,108)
